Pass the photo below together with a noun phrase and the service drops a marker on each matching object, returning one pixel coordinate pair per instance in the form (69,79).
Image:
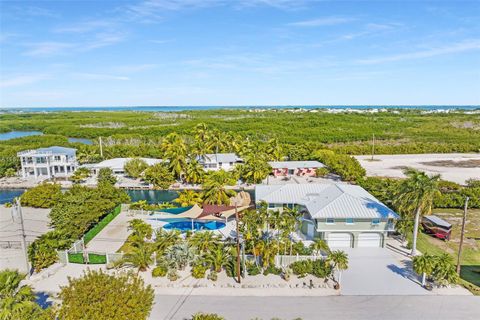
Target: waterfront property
(297,168)
(343,215)
(117,165)
(48,163)
(218,161)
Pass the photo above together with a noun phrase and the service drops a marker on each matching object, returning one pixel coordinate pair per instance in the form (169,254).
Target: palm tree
(424,264)
(204,241)
(218,257)
(417,192)
(16,302)
(166,239)
(194,172)
(214,187)
(188,198)
(404,227)
(254,169)
(175,151)
(339,261)
(141,229)
(444,271)
(274,150)
(217,141)
(140,257)
(320,245)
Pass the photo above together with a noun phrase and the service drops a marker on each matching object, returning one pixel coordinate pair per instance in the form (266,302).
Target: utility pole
(238,243)
(18,209)
(373,145)
(462,235)
(101,148)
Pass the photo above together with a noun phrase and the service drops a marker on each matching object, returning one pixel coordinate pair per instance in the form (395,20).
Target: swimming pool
(186,224)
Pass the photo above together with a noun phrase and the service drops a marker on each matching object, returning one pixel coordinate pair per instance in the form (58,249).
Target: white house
(218,161)
(343,215)
(47,163)
(298,168)
(117,165)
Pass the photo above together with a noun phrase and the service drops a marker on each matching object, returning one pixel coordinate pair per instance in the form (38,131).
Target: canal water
(151,196)
(18,134)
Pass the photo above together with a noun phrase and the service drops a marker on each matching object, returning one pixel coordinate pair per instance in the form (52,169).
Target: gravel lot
(456,167)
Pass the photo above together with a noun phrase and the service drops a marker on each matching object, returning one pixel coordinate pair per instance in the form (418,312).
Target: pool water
(185,225)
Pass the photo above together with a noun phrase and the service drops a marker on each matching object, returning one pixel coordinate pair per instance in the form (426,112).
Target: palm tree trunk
(415,231)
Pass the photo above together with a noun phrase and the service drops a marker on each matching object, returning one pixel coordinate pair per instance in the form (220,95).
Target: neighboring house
(117,165)
(343,215)
(47,163)
(218,161)
(297,168)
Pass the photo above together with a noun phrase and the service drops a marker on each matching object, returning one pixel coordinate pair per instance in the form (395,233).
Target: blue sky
(245,52)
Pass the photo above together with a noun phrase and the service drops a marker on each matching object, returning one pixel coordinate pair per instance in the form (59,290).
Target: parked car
(437,227)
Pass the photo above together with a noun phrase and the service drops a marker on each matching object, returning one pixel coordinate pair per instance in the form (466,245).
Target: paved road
(339,307)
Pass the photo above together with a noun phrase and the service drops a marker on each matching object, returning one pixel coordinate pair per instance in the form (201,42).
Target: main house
(218,161)
(117,165)
(343,215)
(47,163)
(298,168)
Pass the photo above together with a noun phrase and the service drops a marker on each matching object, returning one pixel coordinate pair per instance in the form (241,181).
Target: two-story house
(218,161)
(47,163)
(343,215)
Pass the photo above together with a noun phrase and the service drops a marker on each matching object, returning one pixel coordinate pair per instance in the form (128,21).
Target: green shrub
(213,276)
(207,316)
(300,249)
(45,195)
(172,275)
(322,172)
(160,271)
(321,268)
(347,167)
(253,269)
(302,268)
(198,271)
(272,270)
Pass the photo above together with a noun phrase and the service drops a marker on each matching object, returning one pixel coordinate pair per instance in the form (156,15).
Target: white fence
(284,261)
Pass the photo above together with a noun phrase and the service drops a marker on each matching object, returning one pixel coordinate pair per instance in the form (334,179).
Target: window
(330,221)
(375,222)
(349,221)
(271,205)
(57,158)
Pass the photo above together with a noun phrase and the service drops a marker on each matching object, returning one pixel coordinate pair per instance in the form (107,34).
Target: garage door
(339,240)
(370,239)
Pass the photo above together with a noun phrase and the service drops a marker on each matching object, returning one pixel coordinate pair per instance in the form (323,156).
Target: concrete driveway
(378,271)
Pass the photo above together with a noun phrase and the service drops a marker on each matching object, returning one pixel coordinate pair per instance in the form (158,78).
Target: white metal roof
(295,164)
(49,151)
(117,164)
(219,157)
(326,200)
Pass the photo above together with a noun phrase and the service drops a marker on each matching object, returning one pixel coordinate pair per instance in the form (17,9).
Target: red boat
(437,227)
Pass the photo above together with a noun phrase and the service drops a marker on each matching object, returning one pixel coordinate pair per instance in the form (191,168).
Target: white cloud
(99,76)
(87,26)
(20,80)
(325,21)
(453,48)
(48,48)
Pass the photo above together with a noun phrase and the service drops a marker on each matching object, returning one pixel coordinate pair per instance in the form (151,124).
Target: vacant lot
(471,250)
(456,167)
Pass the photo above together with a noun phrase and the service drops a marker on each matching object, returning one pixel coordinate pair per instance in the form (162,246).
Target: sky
(232,53)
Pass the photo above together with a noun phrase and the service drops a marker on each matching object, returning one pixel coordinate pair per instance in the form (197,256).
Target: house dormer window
(329,221)
(349,221)
(375,222)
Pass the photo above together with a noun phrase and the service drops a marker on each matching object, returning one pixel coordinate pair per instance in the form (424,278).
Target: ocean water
(185,108)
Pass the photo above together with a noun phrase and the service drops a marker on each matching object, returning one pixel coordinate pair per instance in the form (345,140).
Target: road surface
(338,307)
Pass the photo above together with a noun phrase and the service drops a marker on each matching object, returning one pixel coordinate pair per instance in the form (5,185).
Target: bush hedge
(102,224)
